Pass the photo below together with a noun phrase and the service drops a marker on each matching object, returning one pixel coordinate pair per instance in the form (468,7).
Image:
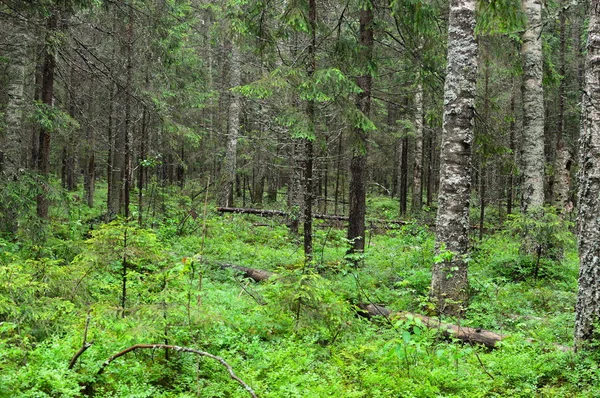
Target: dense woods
(299,198)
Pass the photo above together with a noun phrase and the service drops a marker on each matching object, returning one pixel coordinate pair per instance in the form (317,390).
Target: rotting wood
(257,275)
(387,224)
(467,335)
(279,213)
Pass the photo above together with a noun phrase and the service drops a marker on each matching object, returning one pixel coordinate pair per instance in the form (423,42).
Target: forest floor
(296,334)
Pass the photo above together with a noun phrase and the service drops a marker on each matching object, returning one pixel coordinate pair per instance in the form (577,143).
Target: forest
(299,198)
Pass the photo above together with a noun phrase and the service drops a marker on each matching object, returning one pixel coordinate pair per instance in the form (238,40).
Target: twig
(180,349)
(83,348)
(84,345)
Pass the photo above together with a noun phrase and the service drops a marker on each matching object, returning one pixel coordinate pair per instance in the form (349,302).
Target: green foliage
(54,120)
(545,237)
(293,336)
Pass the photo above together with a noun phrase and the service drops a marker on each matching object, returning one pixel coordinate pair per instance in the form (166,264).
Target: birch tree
(533,108)
(449,279)
(587,310)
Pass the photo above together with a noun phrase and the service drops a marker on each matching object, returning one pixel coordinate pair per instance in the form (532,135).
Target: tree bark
(12,136)
(128,149)
(417,194)
(358,161)
(233,127)
(562,162)
(532,158)
(587,310)
(48,100)
(449,279)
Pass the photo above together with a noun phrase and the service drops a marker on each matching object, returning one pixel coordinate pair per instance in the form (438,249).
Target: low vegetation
(296,334)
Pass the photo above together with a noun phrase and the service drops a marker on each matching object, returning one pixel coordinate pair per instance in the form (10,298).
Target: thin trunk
(233,126)
(337,175)
(141,168)
(449,279)
(417,195)
(308,142)
(533,109)
(358,161)
(430,163)
(587,310)
(512,131)
(403,175)
(48,101)
(128,170)
(562,164)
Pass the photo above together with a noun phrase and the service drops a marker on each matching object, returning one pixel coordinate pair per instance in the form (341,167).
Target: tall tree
(449,279)
(47,95)
(532,158)
(358,161)
(233,127)
(587,310)
(15,90)
(417,195)
(562,163)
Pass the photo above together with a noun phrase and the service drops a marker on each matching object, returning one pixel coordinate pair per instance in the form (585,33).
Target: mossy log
(463,333)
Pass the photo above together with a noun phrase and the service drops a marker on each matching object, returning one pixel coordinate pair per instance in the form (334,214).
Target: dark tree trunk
(403,183)
(47,96)
(358,162)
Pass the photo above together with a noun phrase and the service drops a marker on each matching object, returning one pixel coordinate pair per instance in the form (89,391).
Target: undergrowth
(295,335)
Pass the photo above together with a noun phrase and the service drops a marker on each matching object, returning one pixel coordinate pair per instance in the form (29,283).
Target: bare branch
(180,349)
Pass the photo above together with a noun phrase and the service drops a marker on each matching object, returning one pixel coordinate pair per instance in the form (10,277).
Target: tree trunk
(308,142)
(403,175)
(587,310)
(449,280)
(533,109)
(233,127)
(512,130)
(48,100)
(12,136)
(128,169)
(562,163)
(417,195)
(358,162)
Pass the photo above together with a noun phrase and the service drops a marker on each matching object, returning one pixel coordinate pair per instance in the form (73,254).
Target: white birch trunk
(449,279)
(587,310)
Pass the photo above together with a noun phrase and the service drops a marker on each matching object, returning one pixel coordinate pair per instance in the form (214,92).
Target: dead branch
(180,349)
(279,213)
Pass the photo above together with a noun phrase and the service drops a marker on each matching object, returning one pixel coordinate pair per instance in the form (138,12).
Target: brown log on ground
(180,349)
(257,275)
(465,334)
(386,224)
(279,213)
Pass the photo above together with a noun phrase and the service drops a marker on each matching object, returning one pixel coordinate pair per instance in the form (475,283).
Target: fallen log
(279,213)
(258,275)
(465,334)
